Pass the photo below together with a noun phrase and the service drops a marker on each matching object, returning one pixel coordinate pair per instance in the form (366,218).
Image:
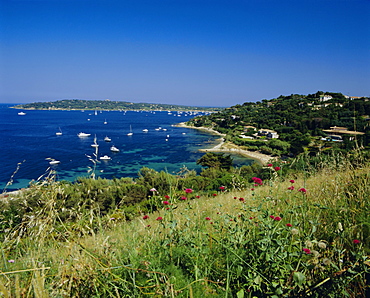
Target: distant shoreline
(227,147)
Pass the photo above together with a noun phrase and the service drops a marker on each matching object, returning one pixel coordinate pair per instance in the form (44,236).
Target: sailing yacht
(59,133)
(95,144)
(130,133)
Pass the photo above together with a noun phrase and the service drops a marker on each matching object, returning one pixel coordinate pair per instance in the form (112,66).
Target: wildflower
(326,261)
(183,198)
(251,217)
(289,225)
(11,261)
(252,189)
(340,227)
(197,197)
(302,190)
(307,250)
(271,216)
(356,241)
(214,194)
(166,196)
(315,253)
(291,187)
(159,218)
(277,218)
(145,216)
(277,169)
(235,198)
(241,199)
(208,218)
(291,181)
(321,245)
(168,208)
(269,165)
(222,188)
(112,218)
(153,189)
(257,181)
(309,243)
(166,203)
(294,231)
(188,190)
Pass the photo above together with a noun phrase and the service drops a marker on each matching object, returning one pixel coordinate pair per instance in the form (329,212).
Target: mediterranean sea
(29,142)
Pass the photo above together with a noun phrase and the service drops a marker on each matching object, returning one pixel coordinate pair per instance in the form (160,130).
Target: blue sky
(205,52)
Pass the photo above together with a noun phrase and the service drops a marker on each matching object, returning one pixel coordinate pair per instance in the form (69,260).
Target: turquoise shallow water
(31,138)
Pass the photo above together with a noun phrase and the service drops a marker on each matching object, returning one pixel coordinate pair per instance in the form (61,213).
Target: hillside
(289,125)
(304,234)
(78,104)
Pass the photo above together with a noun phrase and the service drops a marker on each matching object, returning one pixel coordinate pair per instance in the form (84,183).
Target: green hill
(288,125)
(78,104)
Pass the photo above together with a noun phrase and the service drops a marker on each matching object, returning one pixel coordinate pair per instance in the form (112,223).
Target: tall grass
(303,238)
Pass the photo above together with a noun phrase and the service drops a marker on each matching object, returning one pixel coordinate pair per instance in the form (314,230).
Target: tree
(216,160)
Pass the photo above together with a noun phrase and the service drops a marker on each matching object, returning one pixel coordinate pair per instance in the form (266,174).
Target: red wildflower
(197,197)
(277,168)
(188,190)
(159,218)
(166,203)
(271,216)
(291,187)
(291,181)
(277,218)
(289,225)
(208,218)
(222,188)
(356,241)
(303,190)
(166,196)
(214,194)
(257,180)
(251,217)
(241,199)
(269,165)
(183,198)
(252,189)
(307,250)
(145,216)
(235,198)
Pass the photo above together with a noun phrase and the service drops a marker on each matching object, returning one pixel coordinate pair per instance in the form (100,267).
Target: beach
(228,147)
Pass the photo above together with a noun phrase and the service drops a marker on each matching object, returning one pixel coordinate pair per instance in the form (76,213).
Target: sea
(29,142)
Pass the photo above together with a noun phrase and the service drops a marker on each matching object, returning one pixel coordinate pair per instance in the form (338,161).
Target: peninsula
(79,104)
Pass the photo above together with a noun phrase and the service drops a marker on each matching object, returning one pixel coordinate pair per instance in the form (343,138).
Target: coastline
(228,147)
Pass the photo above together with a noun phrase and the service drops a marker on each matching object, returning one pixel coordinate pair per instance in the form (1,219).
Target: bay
(27,141)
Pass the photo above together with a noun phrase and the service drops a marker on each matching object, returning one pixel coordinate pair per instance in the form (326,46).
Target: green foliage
(216,160)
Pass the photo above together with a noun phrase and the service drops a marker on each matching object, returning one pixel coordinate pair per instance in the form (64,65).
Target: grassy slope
(221,245)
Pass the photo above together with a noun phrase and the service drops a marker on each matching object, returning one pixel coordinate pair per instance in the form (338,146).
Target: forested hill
(298,121)
(79,104)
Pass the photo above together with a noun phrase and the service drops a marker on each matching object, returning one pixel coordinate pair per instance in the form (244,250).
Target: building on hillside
(325,97)
(337,131)
(271,134)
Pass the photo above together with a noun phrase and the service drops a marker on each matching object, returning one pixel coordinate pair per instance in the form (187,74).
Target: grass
(262,241)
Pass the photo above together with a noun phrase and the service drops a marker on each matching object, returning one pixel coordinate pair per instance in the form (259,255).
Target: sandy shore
(227,147)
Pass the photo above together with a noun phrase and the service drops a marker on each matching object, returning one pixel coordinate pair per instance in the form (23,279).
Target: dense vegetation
(298,119)
(78,104)
(297,229)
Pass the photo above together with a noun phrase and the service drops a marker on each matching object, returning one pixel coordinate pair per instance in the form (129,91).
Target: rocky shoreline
(227,147)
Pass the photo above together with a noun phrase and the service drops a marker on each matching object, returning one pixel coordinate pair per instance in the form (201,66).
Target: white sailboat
(105,121)
(107,139)
(59,133)
(130,133)
(21,113)
(105,157)
(95,144)
(53,161)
